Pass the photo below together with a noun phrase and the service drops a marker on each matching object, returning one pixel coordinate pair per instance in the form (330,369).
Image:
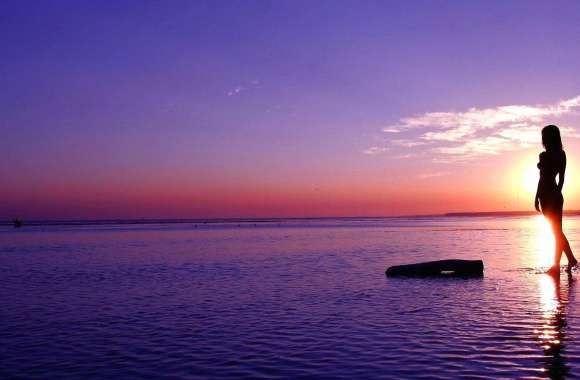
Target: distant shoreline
(505,213)
(200,221)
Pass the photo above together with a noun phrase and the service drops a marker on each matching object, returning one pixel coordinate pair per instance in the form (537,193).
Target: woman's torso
(551,163)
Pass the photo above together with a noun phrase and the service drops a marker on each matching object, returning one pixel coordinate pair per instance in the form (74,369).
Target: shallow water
(285,300)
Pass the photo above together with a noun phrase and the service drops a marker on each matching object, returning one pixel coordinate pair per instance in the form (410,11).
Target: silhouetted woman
(549,193)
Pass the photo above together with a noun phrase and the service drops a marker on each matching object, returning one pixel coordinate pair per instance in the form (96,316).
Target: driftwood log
(458,268)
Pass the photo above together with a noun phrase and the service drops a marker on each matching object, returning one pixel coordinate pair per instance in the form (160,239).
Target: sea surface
(286,299)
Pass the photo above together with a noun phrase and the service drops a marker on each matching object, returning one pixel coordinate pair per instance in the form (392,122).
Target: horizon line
(110,221)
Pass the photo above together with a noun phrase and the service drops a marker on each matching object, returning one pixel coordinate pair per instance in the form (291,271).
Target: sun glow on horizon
(522,181)
(530,179)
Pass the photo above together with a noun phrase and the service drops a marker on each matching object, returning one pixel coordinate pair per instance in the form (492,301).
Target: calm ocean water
(295,299)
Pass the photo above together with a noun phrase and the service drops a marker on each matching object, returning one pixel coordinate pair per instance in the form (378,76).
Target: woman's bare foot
(571,265)
(554,271)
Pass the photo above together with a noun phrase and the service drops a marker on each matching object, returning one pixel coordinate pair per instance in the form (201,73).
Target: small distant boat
(17,223)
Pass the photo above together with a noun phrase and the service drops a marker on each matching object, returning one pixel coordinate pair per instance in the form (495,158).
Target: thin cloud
(432,175)
(375,150)
(408,143)
(406,155)
(236,90)
(391,130)
(244,86)
(458,136)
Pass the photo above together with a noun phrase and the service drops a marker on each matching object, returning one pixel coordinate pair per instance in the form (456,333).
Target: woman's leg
(568,250)
(558,248)
(564,242)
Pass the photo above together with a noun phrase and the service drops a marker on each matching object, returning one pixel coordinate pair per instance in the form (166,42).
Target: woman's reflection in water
(555,297)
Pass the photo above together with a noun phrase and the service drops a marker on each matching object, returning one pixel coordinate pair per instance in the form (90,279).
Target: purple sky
(243,108)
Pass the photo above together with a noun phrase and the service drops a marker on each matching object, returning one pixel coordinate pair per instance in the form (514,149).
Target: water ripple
(283,302)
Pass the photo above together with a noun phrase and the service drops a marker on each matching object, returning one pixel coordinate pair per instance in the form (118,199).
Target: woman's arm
(562,173)
(537,198)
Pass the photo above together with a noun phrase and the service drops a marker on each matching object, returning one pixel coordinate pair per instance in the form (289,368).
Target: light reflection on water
(555,296)
(544,242)
(285,300)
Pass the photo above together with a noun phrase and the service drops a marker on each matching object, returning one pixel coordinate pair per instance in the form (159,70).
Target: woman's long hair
(551,139)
